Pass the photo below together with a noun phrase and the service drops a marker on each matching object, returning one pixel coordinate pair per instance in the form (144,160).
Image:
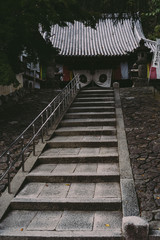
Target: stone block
(31,190)
(65,167)
(69,151)
(115,85)
(55,190)
(107,190)
(76,221)
(88,167)
(17,219)
(45,221)
(89,151)
(45,168)
(108,167)
(81,190)
(135,228)
(107,220)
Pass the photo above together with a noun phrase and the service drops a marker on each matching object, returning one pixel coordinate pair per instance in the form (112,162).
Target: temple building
(101,55)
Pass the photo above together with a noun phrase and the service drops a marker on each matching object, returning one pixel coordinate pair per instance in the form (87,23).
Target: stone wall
(6,90)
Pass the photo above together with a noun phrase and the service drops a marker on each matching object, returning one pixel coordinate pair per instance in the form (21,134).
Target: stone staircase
(73,190)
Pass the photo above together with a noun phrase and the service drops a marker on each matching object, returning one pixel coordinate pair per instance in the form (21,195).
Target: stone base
(135,228)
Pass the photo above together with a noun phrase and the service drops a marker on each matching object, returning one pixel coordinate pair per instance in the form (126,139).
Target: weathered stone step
(91,108)
(71,204)
(94,103)
(70,191)
(94,99)
(77,168)
(70,155)
(89,91)
(78,131)
(81,95)
(82,141)
(68,225)
(77,191)
(74,177)
(88,122)
(59,235)
(107,158)
(89,115)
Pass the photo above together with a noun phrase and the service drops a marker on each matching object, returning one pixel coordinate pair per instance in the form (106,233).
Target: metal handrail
(47,117)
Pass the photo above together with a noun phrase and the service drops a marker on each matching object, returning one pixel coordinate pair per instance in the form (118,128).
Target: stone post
(142,53)
(135,228)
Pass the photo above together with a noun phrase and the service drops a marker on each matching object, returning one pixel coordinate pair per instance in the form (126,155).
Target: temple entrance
(100,77)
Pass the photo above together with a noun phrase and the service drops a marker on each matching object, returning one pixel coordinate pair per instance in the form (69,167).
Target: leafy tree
(20,21)
(151,19)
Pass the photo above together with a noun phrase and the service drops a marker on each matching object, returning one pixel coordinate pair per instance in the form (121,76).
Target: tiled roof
(108,39)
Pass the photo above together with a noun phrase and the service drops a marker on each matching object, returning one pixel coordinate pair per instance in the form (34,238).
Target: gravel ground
(142,123)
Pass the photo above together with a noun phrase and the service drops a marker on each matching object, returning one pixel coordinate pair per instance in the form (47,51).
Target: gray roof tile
(108,39)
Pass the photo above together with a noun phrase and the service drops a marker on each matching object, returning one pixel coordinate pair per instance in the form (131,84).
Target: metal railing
(40,126)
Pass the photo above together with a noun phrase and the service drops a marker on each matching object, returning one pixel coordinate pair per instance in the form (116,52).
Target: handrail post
(63,100)
(65,97)
(50,115)
(34,131)
(42,128)
(72,88)
(47,121)
(22,147)
(9,179)
(59,108)
(54,106)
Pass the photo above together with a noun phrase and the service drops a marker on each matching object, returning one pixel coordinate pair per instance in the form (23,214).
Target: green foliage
(151,19)
(20,21)
(7,75)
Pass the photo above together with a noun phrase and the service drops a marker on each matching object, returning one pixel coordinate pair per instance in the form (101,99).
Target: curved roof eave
(108,39)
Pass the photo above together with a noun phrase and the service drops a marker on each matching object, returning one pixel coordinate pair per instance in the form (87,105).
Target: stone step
(94,99)
(71,204)
(91,108)
(108,158)
(74,177)
(94,103)
(89,115)
(78,155)
(68,225)
(79,131)
(89,91)
(73,190)
(70,191)
(77,168)
(81,95)
(82,141)
(87,122)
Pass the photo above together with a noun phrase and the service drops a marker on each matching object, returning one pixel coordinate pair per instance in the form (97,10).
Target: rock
(135,228)
(1,143)
(155,225)
(157,216)
(147,215)
(130,98)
